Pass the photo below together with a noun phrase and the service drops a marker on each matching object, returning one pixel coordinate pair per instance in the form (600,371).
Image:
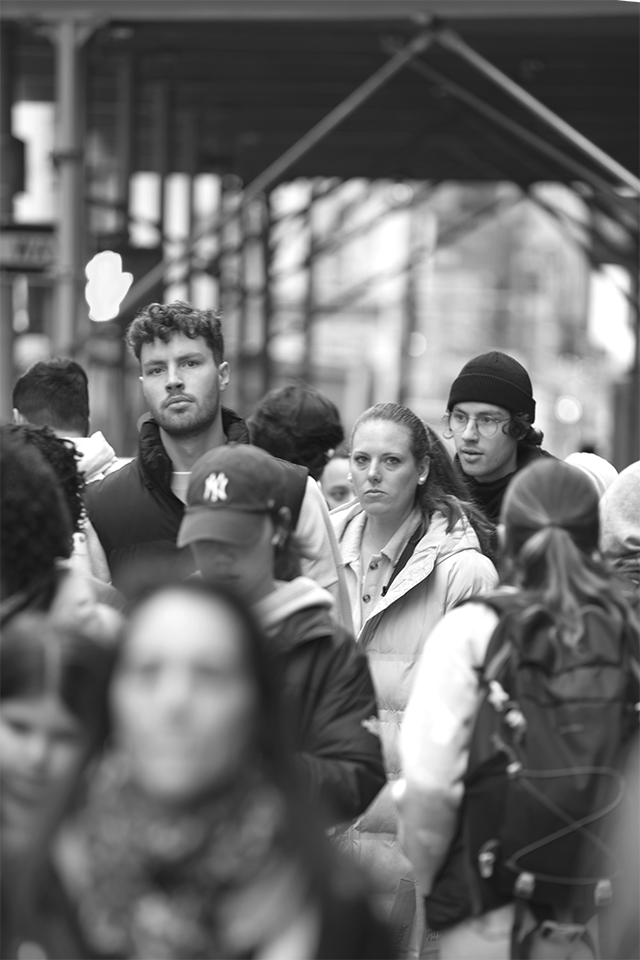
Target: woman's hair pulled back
(550,515)
(443,490)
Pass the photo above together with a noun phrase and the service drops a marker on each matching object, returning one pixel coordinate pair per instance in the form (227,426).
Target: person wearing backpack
(515,734)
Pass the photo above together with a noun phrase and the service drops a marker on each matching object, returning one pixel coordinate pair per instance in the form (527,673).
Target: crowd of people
(271,692)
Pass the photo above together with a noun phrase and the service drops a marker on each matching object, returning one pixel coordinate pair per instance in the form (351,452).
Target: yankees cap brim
(226,526)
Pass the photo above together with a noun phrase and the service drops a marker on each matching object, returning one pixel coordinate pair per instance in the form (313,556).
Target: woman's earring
(421,479)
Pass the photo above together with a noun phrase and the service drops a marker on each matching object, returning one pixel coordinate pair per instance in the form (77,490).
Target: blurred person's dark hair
(54,393)
(62,457)
(162,321)
(341,451)
(38,658)
(35,524)
(299,424)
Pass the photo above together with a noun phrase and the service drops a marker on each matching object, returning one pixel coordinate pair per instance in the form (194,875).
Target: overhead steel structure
(269,90)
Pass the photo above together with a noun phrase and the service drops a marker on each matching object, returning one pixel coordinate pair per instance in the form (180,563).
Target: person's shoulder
(113,483)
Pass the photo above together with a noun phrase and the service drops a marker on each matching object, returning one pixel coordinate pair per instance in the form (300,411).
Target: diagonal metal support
(452,41)
(527,136)
(274,171)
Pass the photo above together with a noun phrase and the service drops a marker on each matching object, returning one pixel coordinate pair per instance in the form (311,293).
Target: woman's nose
(374,470)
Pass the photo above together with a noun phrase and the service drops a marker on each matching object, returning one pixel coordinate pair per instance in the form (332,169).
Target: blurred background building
(477,189)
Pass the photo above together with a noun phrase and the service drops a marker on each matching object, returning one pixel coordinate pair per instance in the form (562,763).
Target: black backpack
(544,779)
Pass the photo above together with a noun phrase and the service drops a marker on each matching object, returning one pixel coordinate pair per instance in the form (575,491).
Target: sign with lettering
(27,247)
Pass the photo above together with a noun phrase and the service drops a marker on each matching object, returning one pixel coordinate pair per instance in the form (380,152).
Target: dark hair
(341,452)
(299,424)
(520,428)
(550,513)
(35,524)
(162,321)
(443,490)
(271,738)
(54,393)
(38,658)
(63,458)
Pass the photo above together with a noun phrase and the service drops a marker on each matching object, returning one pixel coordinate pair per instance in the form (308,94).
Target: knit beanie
(599,470)
(494,378)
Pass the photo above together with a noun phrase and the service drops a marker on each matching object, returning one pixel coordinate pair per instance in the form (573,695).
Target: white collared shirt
(365,586)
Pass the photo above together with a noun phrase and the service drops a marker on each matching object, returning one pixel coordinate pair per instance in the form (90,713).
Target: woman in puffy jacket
(411,549)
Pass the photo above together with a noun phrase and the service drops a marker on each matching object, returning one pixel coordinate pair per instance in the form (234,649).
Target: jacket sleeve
(320,553)
(435,736)
(341,755)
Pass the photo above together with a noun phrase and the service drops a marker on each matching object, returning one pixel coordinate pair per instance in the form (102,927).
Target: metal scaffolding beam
(275,171)
(454,42)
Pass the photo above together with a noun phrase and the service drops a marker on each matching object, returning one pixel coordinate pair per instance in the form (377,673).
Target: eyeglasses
(486,425)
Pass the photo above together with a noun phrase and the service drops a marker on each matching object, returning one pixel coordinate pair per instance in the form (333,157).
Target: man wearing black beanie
(490,414)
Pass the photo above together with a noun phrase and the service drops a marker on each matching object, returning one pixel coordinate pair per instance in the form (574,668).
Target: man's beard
(191,422)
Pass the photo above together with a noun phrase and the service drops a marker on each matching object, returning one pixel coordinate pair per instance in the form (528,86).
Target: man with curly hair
(137,510)
(490,414)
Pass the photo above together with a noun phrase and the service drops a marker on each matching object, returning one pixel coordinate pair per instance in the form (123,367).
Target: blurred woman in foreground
(53,688)
(194,844)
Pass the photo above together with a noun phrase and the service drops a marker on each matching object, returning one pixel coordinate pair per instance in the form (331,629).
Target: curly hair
(520,428)
(299,424)
(162,321)
(35,524)
(62,457)
(443,490)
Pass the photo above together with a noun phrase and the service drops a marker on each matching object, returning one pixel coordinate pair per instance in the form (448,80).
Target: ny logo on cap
(215,487)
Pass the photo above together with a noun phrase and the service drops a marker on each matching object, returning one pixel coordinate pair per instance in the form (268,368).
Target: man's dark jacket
(489,496)
(137,515)
(330,706)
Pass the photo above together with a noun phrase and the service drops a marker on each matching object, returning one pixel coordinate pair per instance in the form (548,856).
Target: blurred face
(183,705)
(42,749)
(247,569)
(337,489)
(385,474)
(182,382)
(485,458)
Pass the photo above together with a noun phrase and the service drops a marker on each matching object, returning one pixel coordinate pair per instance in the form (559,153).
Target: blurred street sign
(27,247)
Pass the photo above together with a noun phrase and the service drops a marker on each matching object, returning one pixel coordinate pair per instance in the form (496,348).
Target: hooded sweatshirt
(620,523)
(328,697)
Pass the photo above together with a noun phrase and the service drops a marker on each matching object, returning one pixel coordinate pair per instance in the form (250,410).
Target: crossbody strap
(405,556)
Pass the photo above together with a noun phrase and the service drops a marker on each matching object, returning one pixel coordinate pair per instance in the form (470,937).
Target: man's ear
(18,417)
(281,526)
(224,374)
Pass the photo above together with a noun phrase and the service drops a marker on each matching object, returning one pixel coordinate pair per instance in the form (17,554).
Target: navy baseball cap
(230,488)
